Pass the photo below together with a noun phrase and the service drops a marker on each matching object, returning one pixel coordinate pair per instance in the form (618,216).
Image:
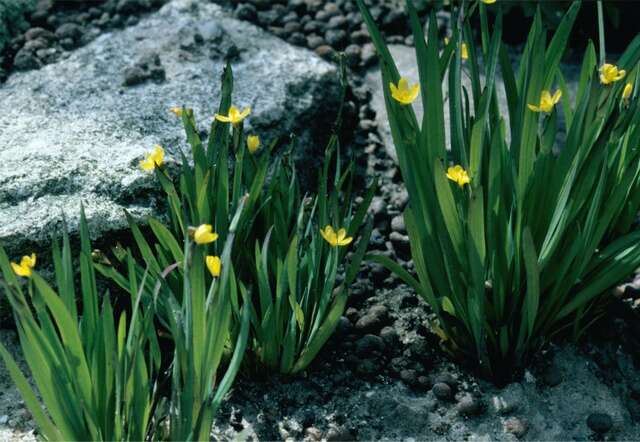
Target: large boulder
(73,132)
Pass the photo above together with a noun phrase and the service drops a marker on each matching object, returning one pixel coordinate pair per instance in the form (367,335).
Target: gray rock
(389,335)
(468,406)
(552,375)
(70,133)
(368,345)
(442,391)
(312,433)
(25,59)
(69,30)
(38,32)
(370,323)
(600,422)
(516,426)
(409,377)
(335,38)
(446,378)
(397,224)
(339,434)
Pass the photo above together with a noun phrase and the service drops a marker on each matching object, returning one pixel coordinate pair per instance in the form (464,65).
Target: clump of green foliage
(517,230)
(99,381)
(97,374)
(290,274)
(299,298)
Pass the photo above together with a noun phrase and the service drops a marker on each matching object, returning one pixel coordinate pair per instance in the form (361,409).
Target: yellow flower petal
(335,239)
(222,118)
(403,93)
(488,2)
(534,108)
(610,73)
(626,92)
(176,110)
(153,159)
(458,175)
(329,235)
(253,143)
(25,268)
(214,264)
(547,101)
(245,113)
(235,116)
(464,52)
(204,235)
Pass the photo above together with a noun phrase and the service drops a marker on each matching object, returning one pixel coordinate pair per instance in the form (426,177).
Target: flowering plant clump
(96,374)
(515,236)
(280,248)
(299,300)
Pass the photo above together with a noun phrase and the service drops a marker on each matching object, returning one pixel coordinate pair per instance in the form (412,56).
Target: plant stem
(603,56)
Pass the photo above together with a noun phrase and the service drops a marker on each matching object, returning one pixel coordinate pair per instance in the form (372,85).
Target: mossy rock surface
(12,19)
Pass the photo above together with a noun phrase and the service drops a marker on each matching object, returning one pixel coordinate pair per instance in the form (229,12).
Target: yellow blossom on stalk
(235,116)
(25,268)
(176,110)
(546,101)
(464,50)
(403,93)
(488,2)
(626,92)
(335,239)
(214,265)
(459,175)
(610,73)
(153,159)
(253,143)
(204,235)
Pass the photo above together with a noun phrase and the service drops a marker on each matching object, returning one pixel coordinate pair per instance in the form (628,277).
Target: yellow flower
(546,101)
(459,175)
(235,116)
(403,93)
(153,159)
(25,268)
(610,73)
(214,265)
(176,110)
(488,2)
(464,50)
(204,235)
(335,239)
(626,92)
(253,143)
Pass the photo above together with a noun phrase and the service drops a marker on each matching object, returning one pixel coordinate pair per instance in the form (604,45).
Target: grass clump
(517,230)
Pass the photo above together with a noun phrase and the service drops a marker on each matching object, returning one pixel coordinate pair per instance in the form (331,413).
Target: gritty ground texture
(382,376)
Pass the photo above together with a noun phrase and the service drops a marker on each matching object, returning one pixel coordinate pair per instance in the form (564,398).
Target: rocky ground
(382,376)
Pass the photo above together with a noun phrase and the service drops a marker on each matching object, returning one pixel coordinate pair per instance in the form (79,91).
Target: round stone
(599,422)
(442,391)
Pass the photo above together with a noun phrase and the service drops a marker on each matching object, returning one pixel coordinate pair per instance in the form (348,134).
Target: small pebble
(516,426)
(313,433)
(468,406)
(552,376)
(442,391)
(600,422)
